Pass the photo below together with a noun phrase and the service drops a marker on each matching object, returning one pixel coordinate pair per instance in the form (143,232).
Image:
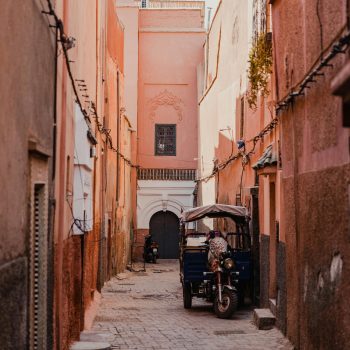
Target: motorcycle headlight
(229,264)
(155,250)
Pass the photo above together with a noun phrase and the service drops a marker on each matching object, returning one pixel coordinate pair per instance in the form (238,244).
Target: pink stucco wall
(81,263)
(129,16)
(174,18)
(170,49)
(315,174)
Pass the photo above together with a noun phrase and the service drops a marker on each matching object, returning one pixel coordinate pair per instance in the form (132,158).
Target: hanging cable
(221,166)
(321,26)
(339,47)
(66,43)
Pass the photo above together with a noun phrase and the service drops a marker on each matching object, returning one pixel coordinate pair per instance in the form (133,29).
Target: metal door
(164,227)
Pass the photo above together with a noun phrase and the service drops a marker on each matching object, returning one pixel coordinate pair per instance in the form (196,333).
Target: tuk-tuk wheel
(187,295)
(228,305)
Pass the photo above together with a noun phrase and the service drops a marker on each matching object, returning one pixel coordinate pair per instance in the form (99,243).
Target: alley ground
(144,310)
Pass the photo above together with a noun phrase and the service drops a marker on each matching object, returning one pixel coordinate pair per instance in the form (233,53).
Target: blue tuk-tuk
(214,265)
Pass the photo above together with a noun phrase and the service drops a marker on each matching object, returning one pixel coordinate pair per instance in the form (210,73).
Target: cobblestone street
(144,310)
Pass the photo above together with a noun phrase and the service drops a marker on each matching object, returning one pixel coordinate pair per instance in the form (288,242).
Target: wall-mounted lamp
(230,131)
(68,42)
(92,152)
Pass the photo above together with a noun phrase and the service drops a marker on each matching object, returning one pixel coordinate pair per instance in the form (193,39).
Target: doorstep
(264,319)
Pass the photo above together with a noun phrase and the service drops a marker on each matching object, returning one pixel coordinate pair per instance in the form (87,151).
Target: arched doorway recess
(164,227)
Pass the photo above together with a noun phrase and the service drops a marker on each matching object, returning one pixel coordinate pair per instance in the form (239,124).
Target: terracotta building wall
(76,256)
(85,261)
(115,174)
(26,129)
(315,180)
(69,287)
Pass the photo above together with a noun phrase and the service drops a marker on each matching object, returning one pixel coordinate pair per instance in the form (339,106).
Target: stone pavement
(144,310)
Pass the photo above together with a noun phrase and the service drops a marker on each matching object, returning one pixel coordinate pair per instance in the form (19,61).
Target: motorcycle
(151,249)
(222,287)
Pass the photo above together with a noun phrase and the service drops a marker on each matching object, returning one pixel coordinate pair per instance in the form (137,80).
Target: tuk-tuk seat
(195,248)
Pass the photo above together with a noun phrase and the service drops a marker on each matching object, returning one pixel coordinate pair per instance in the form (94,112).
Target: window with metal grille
(144,3)
(165,140)
(166,174)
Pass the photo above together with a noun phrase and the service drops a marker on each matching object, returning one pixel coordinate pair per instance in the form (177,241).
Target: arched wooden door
(164,227)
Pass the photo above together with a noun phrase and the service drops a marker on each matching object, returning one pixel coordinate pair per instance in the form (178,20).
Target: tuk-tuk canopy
(236,213)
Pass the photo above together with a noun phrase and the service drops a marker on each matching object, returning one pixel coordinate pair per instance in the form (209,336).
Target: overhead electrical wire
(64,39)
(339,47)
(80,224)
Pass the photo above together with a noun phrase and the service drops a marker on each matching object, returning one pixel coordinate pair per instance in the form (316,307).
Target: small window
(165,140)
(144,3)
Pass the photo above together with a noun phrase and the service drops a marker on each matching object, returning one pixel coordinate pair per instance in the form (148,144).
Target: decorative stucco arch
(158,195)
(166,98)
(155,206)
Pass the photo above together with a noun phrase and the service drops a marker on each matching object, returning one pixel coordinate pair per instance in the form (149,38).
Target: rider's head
(213,234)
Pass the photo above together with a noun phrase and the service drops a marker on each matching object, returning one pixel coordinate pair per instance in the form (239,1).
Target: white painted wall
(154,196)
(227,68)
(82,190)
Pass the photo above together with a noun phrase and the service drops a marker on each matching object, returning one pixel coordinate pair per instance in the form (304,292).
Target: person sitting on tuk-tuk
(217,245)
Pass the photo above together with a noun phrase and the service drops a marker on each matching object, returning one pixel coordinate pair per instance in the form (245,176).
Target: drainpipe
(82,262)
(52,212)
(55,109)
(118,138)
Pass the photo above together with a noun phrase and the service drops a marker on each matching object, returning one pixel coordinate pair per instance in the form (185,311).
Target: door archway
(164,227)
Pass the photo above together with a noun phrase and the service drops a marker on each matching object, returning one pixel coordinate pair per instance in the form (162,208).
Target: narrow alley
(144,310)
(209,136)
